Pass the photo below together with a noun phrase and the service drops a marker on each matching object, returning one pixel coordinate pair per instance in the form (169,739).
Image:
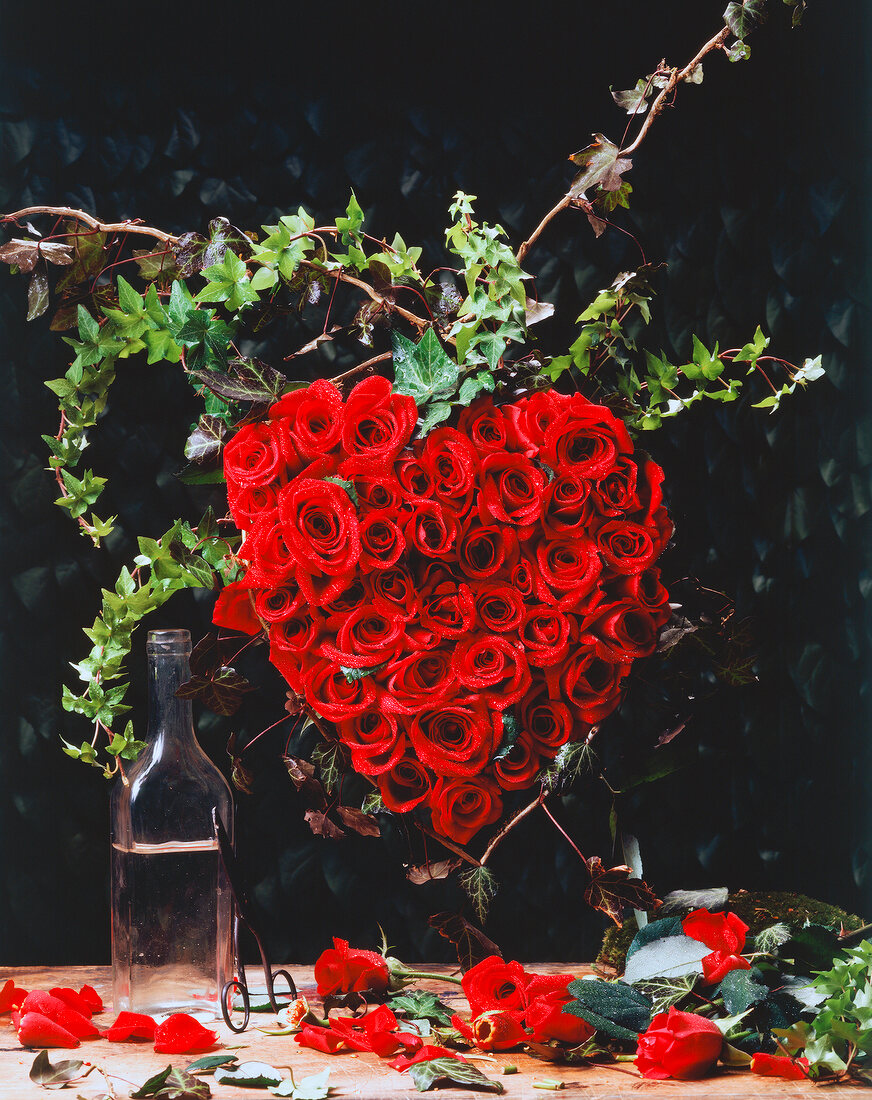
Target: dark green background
(752,191)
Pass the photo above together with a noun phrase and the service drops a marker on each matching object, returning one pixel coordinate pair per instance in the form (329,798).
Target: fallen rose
(342,969)
(678,1044)
(182,1034)
(53,1008)
(497,1030)
(780,1065)
(87,1000)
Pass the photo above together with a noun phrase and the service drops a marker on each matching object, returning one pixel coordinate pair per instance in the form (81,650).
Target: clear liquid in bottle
(171,901)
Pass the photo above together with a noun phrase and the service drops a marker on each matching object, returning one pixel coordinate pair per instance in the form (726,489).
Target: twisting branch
(94,223)
(657,107)
(510,824)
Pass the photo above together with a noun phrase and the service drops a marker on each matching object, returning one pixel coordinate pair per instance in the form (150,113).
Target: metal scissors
(243,911)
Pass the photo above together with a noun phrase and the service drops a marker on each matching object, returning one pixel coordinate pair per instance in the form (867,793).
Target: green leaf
(613,1008)
(37,294)
(481,887)
(350,225)
(436,413)
(740,990)
(654,930)
(210,1062)
(470,388)
(206,441)
(634,101)
(255,1075)
(56,1076)
(423,370)
(329,761)
(427,1074)
(173,1084)
(421,1004)
(314,1087)
(601,165)
(739,51)
(744,16)
(348,486)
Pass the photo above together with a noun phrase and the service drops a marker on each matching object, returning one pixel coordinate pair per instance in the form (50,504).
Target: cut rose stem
(564,834)
(539,800)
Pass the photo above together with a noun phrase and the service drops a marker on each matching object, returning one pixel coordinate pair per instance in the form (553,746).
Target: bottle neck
(170,720)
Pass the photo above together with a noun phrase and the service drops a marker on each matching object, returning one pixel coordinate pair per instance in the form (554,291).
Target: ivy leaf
(420,873)
(741,989)
(24,254)
(210,1062)
(173,1084)
(56,1076)
(471,944)
(254,1075)
(635,100)
(612,890)
(799,9)
(481,886)
(358,821)
(511,732)
(328,759)
(221,691)
(423,370)
(349,226)
(744,16)
(739,51)
(302,775)
(228,283)
(601,164)
(613,1008)
(436,413)
(37,294)
(429,1073)
(206,441)
(244,380)
(421,1004)
(194,252)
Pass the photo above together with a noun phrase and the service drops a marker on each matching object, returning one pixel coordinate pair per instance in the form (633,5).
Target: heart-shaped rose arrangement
(417,593)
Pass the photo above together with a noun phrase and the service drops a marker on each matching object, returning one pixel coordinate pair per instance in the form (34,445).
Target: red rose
(546,1019)
(491,663)
(447,608)
(620,631)
(511,491)
(272,563)
(234,611)
(484,550)
(258,454)
(494,984)
(455,739)
(344,969)
(405,786)
(377,492)
(274,604)
(378,423)
(500,607)
(415,482)
(320,528)
(496,1030)
(586,439)
(615,494)
(366,638)
(626,547)
(451,462)
(311,418)
(247,502)
(717,965)
(518,768)
(333,695)
(375,740)
(463,806)
(567,505)
(484,426)
(779,1065)
(299,633)
(569,564)
(423,679)
(529,420)
(719,931)
(646,589)
(431,530)
(545,636)
(381,541)
(547,720)
(678,1044)
(592,686)
(393,591)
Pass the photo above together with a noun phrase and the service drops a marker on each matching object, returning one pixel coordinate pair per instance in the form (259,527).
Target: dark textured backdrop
(751,190)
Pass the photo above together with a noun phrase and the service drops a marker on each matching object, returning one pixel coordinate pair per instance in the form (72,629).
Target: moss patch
(757,909)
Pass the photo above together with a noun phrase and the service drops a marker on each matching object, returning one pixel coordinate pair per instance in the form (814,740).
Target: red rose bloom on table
(679,1044)
(344,969)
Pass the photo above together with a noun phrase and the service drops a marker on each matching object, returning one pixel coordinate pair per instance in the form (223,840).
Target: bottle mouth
(177,642)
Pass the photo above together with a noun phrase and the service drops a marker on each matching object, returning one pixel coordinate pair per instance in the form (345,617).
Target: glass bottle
(171,901)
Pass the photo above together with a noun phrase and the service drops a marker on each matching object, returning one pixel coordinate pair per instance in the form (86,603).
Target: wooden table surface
(363,1076)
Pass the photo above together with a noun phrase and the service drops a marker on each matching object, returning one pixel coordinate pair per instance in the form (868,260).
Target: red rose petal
(182,1034)
(130,1025)
(55,1009)
(36,1030)
(90,995)
(11,996)
(73,1000)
